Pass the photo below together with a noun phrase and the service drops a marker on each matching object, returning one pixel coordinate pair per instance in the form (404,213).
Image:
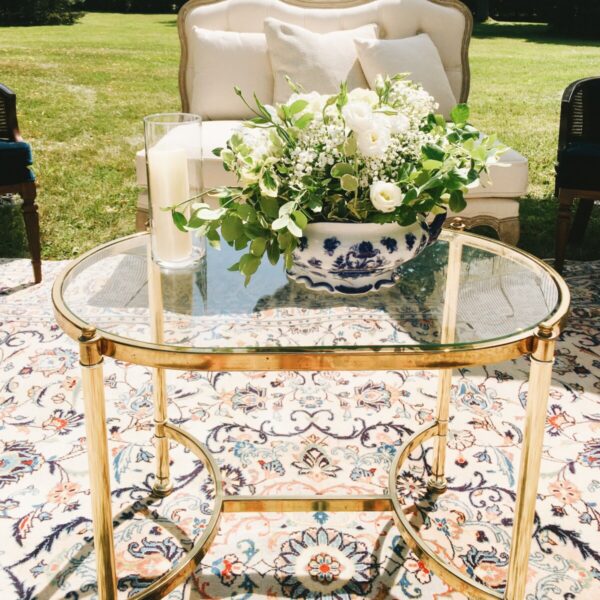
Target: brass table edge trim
(446,572)
(417,356)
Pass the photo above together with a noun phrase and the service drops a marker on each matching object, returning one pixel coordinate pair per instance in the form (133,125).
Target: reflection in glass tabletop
(500,293)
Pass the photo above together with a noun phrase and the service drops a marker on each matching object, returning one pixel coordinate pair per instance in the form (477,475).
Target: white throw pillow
(417,56)
(222,60)
(317,61)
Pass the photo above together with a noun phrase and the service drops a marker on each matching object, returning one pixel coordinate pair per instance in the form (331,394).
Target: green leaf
(234,267)
(269,206)
(300,219)
(340,169)
(246,212)
(249,265)
(195,222)
(241,243)
(179,219)
(258,246)
(457,201)
(284,239)
(410,195)
(350,146)
(297,106)
(268,184)
(460,114)
(217,151)
(349,183)
(213,237)
(303,121)
(315,204)
(407,216)
(433,152)
(254,230)
(273,252)
(231,228)
(430,165)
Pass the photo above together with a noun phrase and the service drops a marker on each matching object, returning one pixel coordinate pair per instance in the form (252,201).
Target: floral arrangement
(359,156)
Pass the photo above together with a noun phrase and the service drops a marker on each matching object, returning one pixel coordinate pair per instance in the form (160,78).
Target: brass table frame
(538,343)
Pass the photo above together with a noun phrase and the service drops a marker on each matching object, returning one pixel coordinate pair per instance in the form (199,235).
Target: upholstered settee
(447,22)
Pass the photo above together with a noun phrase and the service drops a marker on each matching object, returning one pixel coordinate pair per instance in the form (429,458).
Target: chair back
(9,128)
(447,22)
(580,113)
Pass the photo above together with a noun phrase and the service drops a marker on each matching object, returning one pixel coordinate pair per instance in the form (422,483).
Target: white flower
(385,196)
(358,115)
(363,95)
(399,123)
(373,142)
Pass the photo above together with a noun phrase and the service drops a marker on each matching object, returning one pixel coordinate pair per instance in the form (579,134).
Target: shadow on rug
(280,433)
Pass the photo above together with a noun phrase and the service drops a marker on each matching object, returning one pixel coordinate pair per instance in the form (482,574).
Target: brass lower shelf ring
(448,573)
(183,569)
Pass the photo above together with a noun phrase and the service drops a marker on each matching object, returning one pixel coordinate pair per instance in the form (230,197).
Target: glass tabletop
(500,293)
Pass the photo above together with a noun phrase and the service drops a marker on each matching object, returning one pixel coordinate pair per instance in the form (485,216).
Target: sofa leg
(141,219)
(509,231)
(28,193)
(563,225)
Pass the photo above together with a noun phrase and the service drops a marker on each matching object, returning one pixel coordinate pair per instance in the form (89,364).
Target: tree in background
(482,10)
(39,12)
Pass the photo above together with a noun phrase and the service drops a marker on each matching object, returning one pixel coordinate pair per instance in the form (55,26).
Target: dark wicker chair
(578,162)
(16,176)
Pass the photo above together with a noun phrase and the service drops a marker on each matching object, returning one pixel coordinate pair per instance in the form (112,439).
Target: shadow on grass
(169,23)
(538,230)
(535,33)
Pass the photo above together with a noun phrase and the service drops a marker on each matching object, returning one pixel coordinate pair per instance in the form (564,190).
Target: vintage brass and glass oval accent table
(465,301)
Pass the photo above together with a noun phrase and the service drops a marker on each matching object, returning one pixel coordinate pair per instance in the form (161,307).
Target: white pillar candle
(169,185)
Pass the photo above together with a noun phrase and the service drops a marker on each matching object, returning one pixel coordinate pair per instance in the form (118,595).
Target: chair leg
(563,224)
(32,226)
(580,223)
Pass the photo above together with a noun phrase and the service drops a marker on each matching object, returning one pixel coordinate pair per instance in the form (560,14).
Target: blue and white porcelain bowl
(356,258)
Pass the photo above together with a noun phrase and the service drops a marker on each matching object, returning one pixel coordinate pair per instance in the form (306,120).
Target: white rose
(385,196)
(358,116)
(373,142)
(363,95)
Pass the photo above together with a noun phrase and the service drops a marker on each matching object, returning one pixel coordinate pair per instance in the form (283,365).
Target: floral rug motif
(292,432)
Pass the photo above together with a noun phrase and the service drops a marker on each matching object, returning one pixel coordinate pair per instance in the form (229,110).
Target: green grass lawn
(83,90)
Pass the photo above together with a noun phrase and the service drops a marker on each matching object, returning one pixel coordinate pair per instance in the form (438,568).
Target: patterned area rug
(280,433)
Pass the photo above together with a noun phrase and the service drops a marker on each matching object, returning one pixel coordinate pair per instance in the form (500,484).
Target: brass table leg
(437,482)
(97,449)
(540,376)
(162,486)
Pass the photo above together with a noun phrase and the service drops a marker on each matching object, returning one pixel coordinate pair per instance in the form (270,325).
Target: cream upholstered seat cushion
(317,61)
(223,52)
(417,56)
(506,180)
